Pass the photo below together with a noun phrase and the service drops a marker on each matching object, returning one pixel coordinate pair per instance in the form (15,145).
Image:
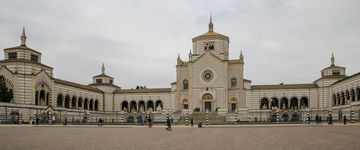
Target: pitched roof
(68,83)
(24,60)
(103,75)
(22,47)
(346,78)
(154,90)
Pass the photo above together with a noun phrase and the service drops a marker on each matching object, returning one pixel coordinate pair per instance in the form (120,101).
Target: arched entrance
(206,99)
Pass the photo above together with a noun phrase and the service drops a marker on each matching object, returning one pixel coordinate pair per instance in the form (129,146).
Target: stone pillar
(236,117)
(88,118)
(277,116)
(77,103)
(352,116)
(122,118)
(50,118)
(207,117)
(20,118)
(186,119)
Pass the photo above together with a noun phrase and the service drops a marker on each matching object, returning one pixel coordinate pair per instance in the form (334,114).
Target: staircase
(214,118)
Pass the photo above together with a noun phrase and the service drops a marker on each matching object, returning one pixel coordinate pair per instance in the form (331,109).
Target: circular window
(207,75)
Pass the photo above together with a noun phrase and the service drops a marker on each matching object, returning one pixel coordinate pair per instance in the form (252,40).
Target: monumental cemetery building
(207,81)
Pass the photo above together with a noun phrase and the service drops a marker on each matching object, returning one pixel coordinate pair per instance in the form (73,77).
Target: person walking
(317,119)
(192,122)
(149,122)
(142,121)
(345,119)
(330,120)
(308,118)
(320,120)
(168,123)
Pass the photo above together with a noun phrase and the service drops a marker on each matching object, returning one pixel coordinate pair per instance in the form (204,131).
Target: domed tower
(105,83)
(217,44)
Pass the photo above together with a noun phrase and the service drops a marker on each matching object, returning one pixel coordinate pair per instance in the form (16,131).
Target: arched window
(264,103)
(207,96)
(347,95)
(274,103)
(80,103)
(352,95)
(86,104)
(233,83)
(96,105)
(334,100)
(342,98)
(59,100)
(67,101)
(358,94)
(284,104)
(150,105)
(185,84)
(158,105)
(73,102)
(338,98)
(91,105)
(304,103)
(125,106)
(294,103)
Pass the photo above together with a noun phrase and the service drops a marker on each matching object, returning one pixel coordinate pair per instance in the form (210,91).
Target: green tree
(6,95)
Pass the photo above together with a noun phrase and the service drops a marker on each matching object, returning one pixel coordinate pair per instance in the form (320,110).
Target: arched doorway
(91,105)
(185,104)
(233,102)
(207,98)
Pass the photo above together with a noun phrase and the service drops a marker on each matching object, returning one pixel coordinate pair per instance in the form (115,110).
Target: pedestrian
(200,125)
(330,120)
(320,120)
(317,119)
(172,120)
(345,119)
(308,118)
(99,122)
(168,123)
(65,121)
(142,122)
(149,122)
(192,122)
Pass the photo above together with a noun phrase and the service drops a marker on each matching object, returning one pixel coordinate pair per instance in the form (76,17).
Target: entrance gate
(208,106)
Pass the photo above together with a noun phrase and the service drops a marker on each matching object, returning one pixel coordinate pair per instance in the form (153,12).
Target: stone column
(77,103)
(63,101)
(70,103)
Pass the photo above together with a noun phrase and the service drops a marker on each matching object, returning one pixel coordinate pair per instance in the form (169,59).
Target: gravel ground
(264,137)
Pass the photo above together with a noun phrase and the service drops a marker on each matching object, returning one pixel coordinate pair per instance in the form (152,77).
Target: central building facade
(209,81)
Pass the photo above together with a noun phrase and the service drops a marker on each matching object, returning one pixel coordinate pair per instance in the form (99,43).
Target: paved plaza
(244,137)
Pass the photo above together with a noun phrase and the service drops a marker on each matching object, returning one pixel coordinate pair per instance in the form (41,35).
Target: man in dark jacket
(168,123)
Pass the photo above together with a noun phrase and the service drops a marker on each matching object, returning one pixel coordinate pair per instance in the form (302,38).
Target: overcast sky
(138,40)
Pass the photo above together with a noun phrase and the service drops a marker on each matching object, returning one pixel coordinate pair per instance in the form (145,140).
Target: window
(34,57)
(185,84)
(335,72)
(233,83)
(98,81)
(186,106)
(111,81)
(12,55)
